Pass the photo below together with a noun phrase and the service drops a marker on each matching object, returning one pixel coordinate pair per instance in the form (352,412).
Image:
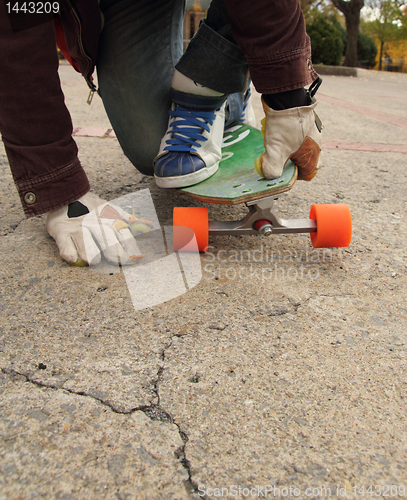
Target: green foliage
(326,41)
(329,39)
(344,36)
(367,50)
(387,22)
(313,8)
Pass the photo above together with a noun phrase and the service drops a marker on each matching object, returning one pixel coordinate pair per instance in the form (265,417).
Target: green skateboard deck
(236,180)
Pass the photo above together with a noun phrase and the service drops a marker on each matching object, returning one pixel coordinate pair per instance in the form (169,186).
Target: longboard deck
(236,180)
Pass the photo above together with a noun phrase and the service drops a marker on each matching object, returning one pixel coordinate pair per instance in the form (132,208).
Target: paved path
(283,371)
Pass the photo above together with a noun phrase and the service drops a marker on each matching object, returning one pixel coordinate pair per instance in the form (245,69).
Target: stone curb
(322,69)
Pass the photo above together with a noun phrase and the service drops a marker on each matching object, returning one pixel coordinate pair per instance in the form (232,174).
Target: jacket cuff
(51,191)
(283,72)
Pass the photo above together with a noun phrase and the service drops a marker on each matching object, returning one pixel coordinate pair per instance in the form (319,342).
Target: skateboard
(236,181)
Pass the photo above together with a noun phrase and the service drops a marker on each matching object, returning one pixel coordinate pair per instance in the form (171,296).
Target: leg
(272,37)
(213,57)
(139,46)
(212,67)
(269,37)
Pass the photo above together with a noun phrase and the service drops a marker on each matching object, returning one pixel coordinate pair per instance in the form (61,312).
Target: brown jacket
(81,23)
(35,124)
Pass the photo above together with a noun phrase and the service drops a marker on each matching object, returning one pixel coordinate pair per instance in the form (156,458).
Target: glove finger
(87,248)
(130,245)
(112,249)
(66,247)
(92,222)
(105,236)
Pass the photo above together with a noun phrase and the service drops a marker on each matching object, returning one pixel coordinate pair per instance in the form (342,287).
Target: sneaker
(239,109)
(191,149)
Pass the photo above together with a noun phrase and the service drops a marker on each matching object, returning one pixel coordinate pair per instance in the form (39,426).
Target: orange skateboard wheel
(195,219)
(334,225)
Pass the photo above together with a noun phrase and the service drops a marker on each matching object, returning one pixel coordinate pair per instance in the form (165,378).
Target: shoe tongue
(196,102)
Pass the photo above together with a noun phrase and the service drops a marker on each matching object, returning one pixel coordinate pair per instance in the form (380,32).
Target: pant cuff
(215,62)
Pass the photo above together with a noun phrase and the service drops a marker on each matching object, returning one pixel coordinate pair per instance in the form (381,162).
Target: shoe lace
(243,115)
(187,129)
(247,96)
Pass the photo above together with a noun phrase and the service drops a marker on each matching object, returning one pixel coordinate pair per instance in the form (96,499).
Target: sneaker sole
(180,181)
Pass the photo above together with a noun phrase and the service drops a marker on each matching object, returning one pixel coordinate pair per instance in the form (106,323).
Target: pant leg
(139,46)
(213,57)
(271,40)
(34,122)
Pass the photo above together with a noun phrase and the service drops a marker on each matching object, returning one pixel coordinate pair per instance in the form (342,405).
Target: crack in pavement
(157,413)
(11,371)
(154,412)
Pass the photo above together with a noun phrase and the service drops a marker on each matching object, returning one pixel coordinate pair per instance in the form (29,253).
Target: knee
(142,156)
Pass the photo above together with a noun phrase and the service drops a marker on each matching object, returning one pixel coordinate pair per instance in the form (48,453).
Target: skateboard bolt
(264,227)
(266,230)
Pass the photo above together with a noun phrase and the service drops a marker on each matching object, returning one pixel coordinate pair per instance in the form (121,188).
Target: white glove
(90,226)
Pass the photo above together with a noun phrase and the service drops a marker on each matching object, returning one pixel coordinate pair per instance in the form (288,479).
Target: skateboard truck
(329,225)
(262,219)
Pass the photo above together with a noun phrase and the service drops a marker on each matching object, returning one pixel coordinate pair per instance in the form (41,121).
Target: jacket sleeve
(35,124)
(78,28)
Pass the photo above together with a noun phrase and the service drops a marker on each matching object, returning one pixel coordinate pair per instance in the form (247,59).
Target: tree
(310,8)
(351,10)
(386,25)
(326,41)
(306,5)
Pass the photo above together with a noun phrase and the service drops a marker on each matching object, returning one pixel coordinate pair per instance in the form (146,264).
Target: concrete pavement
(282,374)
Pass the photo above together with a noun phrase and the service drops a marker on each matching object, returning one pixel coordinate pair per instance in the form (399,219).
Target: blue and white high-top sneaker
(191,149)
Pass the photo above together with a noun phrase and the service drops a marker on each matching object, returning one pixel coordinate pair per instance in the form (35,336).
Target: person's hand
(90,227)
